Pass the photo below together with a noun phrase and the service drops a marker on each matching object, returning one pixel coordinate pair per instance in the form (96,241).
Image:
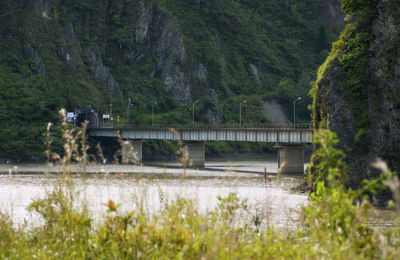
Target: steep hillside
(357,93)
(74,53)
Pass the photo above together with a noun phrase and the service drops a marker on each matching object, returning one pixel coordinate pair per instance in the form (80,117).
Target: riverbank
(130,216)
(223,211)
(239,163)
(121,183)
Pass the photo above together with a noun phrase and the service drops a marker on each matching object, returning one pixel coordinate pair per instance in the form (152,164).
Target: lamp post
(240,111)
(88,107)
(111,118)
(152,112)
(96,116)
(127,112)
(197,101)
(294,110)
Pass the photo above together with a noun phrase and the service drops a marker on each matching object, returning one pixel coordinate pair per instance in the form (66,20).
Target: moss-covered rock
(358,88)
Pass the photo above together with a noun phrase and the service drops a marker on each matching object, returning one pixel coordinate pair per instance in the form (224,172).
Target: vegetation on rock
(77,53)
(357,90)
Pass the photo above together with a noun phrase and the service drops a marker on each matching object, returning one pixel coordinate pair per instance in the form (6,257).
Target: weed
(333,225)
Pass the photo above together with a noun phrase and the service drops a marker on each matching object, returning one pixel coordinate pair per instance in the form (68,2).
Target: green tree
(322,39)
(353,6)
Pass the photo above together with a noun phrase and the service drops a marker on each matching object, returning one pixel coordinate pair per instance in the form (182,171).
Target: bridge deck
(273,133)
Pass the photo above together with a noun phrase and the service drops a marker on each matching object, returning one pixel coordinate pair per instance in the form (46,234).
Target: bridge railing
(208,126)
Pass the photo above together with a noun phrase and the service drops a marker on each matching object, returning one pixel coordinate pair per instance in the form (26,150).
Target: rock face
(150,31)
(157,33)
(365,135)
(143,29)
(120,46)
(331,12)
(31,53)
(101,73)
(171,57)
(384,94)
(143,22)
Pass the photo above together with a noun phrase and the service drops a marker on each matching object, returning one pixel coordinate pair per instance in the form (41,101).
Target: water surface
(150,186)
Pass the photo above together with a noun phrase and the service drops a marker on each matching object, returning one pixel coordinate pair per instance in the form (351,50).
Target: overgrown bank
(333,225)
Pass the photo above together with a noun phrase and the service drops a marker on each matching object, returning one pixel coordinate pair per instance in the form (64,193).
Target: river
(150,186)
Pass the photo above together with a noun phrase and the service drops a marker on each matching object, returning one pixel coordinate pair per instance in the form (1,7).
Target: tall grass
(333,226)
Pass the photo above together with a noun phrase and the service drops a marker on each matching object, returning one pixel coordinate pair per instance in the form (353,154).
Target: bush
(333,225)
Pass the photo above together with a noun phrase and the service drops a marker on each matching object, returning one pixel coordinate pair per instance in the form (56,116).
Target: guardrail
(207,126)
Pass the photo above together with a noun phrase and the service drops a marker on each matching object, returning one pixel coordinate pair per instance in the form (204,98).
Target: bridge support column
(132,151)
(195,154)
(290,159)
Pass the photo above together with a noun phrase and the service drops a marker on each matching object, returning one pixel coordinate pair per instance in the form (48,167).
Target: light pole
(111,118)
(88,107)
(197,101)
(294,110)
(152,112)
(240,111)
(129,105)
(96,116)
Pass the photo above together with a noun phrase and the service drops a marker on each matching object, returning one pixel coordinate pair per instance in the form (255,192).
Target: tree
(350,7)
(322,39)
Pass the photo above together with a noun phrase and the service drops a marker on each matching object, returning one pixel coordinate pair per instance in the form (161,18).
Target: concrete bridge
(290,140)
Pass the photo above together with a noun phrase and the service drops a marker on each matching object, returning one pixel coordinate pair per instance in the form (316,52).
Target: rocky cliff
(357,94)
(76,53)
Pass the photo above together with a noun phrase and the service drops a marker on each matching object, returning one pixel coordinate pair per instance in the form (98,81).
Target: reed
(334,225)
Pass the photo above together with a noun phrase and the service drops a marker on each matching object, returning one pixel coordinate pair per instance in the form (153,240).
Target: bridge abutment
(195,154)
(132,151)
(290,159)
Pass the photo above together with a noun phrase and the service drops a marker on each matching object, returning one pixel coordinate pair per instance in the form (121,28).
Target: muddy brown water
(150,186)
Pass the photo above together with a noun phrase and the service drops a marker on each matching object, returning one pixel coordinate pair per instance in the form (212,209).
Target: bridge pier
(132,151)
(290,159)
(195,154)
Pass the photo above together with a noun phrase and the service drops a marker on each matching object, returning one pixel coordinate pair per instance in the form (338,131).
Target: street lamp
(240,111)
(88,107)
(152,112)
(294,110)
(96,117)
(111,118)
(197,101)
(130,103)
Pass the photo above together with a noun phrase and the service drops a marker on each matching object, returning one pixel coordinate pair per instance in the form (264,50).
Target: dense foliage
(251,50)
(357,6)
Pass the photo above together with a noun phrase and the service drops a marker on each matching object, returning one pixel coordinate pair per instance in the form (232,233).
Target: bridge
(290,139)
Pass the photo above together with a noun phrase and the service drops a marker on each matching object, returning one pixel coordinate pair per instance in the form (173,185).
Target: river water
(151,186)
